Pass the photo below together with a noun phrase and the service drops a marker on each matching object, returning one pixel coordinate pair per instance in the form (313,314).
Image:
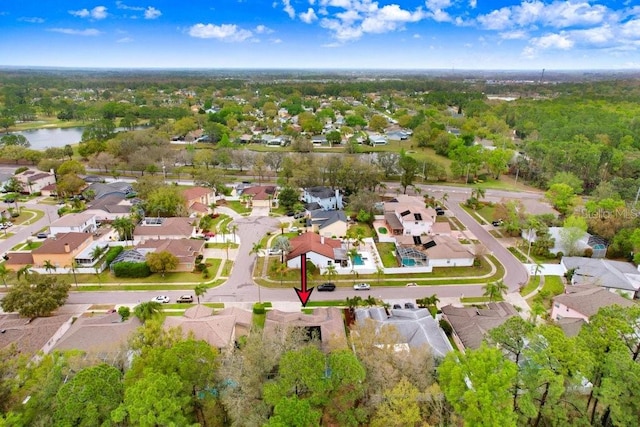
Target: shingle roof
(260,192)
(312,242)
(603,272)
(19,258)
(100,333)
(324,218)
(72,220)
(321,192)
(185,250)
(56,245)
(328,319)
(195,192)
(588,300)
(471,324)
(177,226)
(111,204)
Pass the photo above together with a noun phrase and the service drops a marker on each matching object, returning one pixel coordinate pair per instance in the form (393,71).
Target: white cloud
(74,32)
(124,40)
(553,41)
(288,8)
(417,36)
(121,5)
(276,41)
(263,29)
(437,4)
(473,4)
(308,17)
(496,20)
(152,13)
(514,35)
(31,20)
(98,12)
(224,32)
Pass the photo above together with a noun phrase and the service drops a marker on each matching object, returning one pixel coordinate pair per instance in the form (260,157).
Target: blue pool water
(357,260)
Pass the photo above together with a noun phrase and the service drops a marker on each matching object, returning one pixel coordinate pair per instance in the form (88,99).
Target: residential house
(440,250)
(105,336)
(616,276)
(50,190)
(583,301)
(64,249)
(186,250)
(418,328)
(471,324)
(33,181)
(325,324)
(220,330)
(110,207)
(260,195)
(74,223)
(597,245)
(397,135)
(101,190)
(377,139)
(408,215)
(4,179)
(320,250)
(325,197)
(319,140)
(29,336)
(329,223)
(199,200)
(164,228)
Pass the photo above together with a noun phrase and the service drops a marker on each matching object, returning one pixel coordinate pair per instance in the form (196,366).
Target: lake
(52,137)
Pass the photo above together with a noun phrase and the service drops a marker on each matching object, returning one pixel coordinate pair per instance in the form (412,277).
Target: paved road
(22,232)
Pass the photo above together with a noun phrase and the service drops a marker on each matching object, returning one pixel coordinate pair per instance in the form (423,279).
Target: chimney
(322,240)
(67,248)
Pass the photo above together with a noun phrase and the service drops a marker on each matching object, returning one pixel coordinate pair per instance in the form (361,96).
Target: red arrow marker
(303,294)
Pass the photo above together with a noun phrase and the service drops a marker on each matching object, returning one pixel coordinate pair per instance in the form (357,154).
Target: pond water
(52,137)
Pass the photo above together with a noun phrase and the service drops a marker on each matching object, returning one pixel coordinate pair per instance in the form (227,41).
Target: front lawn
(238,206)
(362,229)
(533,284)
(387,254)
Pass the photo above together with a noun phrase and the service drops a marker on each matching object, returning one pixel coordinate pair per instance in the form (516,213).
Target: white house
(319,250)
(409,216)
(74,223)
(326,198)
(33,181)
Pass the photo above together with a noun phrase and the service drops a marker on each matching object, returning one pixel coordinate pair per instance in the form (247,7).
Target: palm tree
(537,268)
(282,244)
(224,230)
(478,193)
(73,267)
(48,266)
(494,290)
(124,226)
(24,271)
(200,290)
(280,269)
(370,301)
(379,273)
(445,197)
(227,245)
(233,229)
(353,303)
(96,252)
(255,250)
(4,272)
(331,272)
(147,310)
(537,310)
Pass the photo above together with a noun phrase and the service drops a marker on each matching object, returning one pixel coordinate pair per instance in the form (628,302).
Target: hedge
(131,269)
(114,251)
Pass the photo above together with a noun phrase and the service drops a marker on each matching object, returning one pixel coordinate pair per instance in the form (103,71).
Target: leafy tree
(165,201)
(89,397)
(409,167)
(161,262)
(36,295)
(124,312)
(71,166)
(378,123)
(333,137)
(562,197)
(574,229)
(477,384)
(294,412)
(498,161)
(14,139)
(100,130)
(570,179)
(155,399)
(70,184)
(288,197)
(399,407)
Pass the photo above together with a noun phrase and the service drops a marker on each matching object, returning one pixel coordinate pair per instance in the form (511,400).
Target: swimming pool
(357,260)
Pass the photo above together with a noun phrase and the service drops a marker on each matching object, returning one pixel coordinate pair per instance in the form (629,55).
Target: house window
(556,305)
(329,262)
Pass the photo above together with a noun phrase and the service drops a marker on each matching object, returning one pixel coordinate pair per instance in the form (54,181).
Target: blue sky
(431,34)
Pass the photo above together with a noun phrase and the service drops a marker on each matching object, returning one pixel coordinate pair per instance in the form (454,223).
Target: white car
(361,286)
(163,299)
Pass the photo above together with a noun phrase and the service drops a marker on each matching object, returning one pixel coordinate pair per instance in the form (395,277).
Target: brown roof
(199,207)
(589,299)
(441,228)
(218,330)
(185,249)
(260,192)
(32,336)
(312,242)
(196,192)
(471,324)
(571,326)
(178,226)
(329,320)
(19,258)
(101,333)
(56,245)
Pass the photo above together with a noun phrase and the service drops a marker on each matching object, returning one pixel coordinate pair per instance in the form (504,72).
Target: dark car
(409,306)
(42,235)
(327,287)
(397,306)
(497,223)
(439,211)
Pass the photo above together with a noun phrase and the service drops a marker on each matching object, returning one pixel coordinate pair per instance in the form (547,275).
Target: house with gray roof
(328,199)
(416,326)
(110,207)
(326,323)
(617,276)
(329,223)
(583,301)
(101,190)
(471,324)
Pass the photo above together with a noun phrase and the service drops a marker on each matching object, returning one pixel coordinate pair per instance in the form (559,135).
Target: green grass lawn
(487,212)
(386,251)
(24,246)
(533,284)
(27,216)
(521,257)
(365,230)
(221,245)
(238,206)
(475,300)
(456,224)
(5,234)
(553,285)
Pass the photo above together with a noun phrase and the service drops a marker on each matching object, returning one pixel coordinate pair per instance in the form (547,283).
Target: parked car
(42,235)
(409,305)
(397,306)
(497,223)
(163,299)
(273,251)
(361,286)
(327,287)
(412,284)
(439,211)
(185,298)
(299,215)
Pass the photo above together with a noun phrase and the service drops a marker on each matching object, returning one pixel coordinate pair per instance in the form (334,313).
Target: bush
(559,255)
(124,312)
(199,258)
(258,308)
(131,269)
(114,251)
(588,252)
(20,170)
(200,267)
(446,327)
